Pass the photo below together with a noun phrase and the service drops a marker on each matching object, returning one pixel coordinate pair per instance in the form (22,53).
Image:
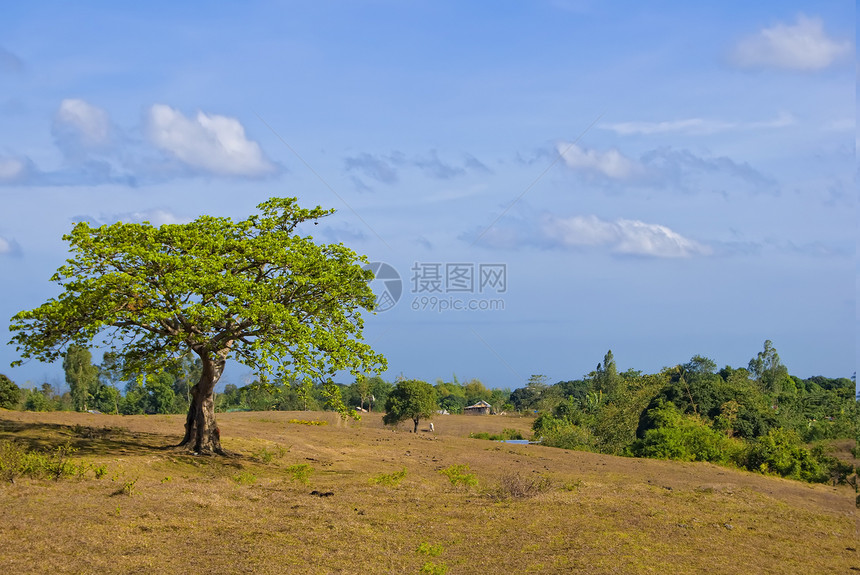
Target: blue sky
(663,179)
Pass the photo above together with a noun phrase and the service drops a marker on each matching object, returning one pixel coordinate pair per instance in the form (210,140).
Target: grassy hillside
(535,509)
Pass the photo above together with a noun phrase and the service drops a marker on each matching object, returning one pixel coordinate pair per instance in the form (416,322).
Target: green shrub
(685,438)
(570,437)
(781,452)
(389,479)
(459,475)
(16,461)
(245,478)
(301,472)
(506,434)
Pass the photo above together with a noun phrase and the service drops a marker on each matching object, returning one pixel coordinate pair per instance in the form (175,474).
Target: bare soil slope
(535,509)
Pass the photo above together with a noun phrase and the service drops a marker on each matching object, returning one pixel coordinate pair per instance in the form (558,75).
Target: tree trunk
(201,431)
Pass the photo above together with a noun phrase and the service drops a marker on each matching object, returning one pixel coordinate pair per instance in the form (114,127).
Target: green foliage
(266,455)
(17,461)
(10,395)
(389,479)
(410,399)
(245,478)
(254,290)
(506,434)
(528,397)
(459,475)
(35,400)
(81,375)
(429,550)
(300,472)
(685,438)
(429,567)
(781,452)
(570,436)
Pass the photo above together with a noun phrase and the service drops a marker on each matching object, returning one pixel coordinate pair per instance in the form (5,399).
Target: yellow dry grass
(160,510)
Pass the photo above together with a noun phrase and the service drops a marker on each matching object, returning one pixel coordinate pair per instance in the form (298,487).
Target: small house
(480,408)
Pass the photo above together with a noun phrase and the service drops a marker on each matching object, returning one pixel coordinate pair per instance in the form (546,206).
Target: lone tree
(255,291)
(410,399)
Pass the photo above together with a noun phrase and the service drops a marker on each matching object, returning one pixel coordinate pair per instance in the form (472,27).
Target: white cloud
(86,124)
(611,163)
(695,126)
(629,237)
(800,46)
(12,169)
(215,144)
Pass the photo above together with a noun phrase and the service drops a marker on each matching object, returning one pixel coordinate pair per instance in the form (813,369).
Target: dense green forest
(757,417)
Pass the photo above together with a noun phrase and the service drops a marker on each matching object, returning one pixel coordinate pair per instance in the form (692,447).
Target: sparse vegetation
(17,461)
(300,472)
(519,486)
(459,475)
(505,435)
(389,479)
(576,512)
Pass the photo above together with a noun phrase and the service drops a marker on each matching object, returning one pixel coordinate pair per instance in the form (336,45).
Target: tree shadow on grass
(85,439)
(105,441)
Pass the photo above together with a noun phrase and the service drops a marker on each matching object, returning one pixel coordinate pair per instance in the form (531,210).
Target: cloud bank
(622,236)
(664,166)
(695,126)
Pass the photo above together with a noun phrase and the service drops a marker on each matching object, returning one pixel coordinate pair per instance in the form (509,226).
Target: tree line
(757,417)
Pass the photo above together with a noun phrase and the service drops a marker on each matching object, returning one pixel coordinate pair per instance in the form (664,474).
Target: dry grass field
(535,509)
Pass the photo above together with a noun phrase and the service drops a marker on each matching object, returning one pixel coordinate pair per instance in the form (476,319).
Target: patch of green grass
(506,434)
(430,567)
(429,550)
(17,461)
(308,422)
(266,455)
(245,478)
(459,475)
(300,472)
(389,479)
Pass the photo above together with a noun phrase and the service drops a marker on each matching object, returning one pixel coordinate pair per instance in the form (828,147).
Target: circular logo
(386,284)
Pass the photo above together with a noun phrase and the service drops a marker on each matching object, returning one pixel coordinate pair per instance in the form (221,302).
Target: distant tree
(10,394)
(363,388)
(159,393)
(605,377)
(768,370)
(410,399)
(527,398)
(106,399)
(475,391)
(36,401)
(81,375)
(254,290)
(380,389)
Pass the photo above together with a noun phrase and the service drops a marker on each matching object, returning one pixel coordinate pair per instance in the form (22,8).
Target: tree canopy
(254,290)
(410,399)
